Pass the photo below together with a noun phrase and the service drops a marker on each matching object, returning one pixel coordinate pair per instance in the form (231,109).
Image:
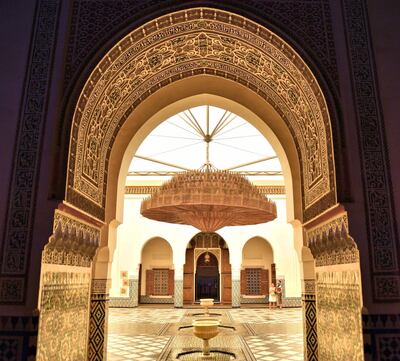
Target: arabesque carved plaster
(187,43)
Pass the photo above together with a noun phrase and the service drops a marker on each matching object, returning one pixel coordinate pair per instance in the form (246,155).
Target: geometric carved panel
(98,329)
(389,347)
(15,248)
(310,327)
(308,22)
(161,285)
(384,243)
(253,281)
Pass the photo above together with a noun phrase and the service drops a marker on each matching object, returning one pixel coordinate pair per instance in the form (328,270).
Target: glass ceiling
(184,141)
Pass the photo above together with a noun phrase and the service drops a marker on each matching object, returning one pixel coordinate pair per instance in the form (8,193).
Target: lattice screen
(253,281)
(160,282)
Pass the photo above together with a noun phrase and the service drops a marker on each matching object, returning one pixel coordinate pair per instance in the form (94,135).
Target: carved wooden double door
(207,276)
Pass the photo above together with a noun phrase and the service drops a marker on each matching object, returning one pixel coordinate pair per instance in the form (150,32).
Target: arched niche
(156,270)
(257,269)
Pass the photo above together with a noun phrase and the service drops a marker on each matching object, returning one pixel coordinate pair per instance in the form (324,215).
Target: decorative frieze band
(330,243)
(73,242)
(267,190)
(309,286)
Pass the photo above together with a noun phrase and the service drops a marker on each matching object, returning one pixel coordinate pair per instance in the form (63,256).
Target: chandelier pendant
(209,199)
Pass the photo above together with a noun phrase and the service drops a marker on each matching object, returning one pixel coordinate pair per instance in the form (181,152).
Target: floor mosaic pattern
(162,334)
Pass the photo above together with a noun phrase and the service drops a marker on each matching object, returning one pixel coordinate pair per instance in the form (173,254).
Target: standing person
(278,291)
(272,296)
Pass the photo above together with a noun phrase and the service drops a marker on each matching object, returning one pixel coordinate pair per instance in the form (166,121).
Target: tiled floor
(146,334)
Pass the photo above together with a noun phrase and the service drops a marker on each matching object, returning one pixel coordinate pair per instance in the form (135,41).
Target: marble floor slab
(162,334)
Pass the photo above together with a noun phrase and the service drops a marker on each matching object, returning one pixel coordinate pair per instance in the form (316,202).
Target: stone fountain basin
(206,301)
(206,328)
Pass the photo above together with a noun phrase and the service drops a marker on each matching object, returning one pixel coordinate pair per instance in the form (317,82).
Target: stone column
(337,289)
(65,296)
(309,320)
(98,320)
(178,287)
(235,286)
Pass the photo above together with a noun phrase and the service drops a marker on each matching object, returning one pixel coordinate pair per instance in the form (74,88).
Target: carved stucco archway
(185,44)
(198,45)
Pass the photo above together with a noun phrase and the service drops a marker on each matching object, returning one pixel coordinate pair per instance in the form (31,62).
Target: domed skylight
(181,142)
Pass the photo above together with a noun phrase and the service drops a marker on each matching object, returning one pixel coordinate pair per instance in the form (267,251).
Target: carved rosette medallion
(188,43)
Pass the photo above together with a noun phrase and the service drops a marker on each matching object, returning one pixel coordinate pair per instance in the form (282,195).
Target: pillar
(309,320)
(337,288)
(99,298)
(178,286)
(235,286)
(64,304)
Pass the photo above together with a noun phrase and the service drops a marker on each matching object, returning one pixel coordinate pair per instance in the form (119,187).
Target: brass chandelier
(208,198)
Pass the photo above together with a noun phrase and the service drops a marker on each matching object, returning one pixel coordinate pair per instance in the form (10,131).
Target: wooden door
(273,273)
(264,282)
(171,282)
(140,282)
(149,282)
(188,283)
(226,277)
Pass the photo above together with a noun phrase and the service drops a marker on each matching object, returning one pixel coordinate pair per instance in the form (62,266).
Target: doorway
(207,277)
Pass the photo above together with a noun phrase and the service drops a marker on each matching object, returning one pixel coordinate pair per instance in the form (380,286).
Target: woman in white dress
(272,296)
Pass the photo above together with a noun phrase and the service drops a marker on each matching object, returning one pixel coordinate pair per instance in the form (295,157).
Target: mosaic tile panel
(154,300)
(339,315)
(235,293)
(310,327)
(178,293)
(64,312)
(286,301)
(131,300)
(253,300)
(98,320)
(16,244)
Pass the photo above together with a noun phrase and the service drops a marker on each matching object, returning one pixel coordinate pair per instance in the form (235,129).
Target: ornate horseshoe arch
(185,44)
